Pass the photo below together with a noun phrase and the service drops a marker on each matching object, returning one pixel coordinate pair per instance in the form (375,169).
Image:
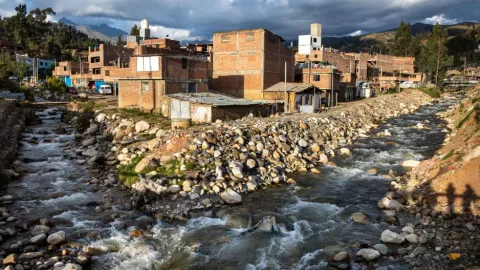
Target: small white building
(312,42)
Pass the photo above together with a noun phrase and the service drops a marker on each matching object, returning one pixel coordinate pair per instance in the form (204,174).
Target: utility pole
(464,67)
(285,106)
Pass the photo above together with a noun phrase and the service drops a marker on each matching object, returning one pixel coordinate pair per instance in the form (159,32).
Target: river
(316,211)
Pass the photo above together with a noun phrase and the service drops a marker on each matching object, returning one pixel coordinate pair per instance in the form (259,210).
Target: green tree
(8,68)
(120,41)
(402,40)
(135,31)
(434,58)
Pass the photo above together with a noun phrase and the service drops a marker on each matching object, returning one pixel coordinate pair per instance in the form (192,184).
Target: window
(183,87)
(41,63)
(144,87)
(316,78)
(184,63)
(65,68)
(315,56)
(225,38)
(107,72)
(314,40)
(250,36)
(192,87)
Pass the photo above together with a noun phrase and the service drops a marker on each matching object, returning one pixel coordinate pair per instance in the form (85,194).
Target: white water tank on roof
(144,24)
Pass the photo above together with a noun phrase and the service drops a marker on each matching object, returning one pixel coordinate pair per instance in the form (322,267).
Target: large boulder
(230,196)
(72,266)
(141,126)
(392,237)
(345,151)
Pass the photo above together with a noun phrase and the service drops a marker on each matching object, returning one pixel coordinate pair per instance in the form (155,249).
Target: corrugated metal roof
(291,87)
(216,99)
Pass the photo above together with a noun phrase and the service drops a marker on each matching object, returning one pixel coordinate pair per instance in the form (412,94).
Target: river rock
(392,237)
(39,239)
(237,221)
(411,163)
(267,224)
(56,238)
(72,266)
(100,118)
(408,229)
(341,256)
(360,217)
(30,256)
(383,249)
(386,203)
(90,153)
(230,196)
(412,238)
(10,259)
(141,126)
(88,142)
(368,254)
(92,129)
(345,151)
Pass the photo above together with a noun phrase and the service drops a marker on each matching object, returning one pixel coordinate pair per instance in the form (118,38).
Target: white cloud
(441,19)
(356,33)
(161,32)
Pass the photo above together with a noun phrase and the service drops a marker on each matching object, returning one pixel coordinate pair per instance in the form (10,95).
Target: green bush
(465,119)
(127,174)
(56,85)
(434,93)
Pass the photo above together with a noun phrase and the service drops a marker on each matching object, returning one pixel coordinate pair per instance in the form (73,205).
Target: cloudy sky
(192,19)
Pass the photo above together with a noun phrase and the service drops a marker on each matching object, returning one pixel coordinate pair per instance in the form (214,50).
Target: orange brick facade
(147,89)
(248,61)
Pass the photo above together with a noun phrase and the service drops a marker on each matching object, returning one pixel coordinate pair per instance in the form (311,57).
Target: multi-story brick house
(149,78)
(73,73)
(245,62)
(105,55)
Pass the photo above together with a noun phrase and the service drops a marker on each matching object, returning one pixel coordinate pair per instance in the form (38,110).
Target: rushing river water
(316,211)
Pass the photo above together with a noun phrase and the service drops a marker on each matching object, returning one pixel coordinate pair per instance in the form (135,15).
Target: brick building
(73,73)
(246,62)
(105,55)
(148,79)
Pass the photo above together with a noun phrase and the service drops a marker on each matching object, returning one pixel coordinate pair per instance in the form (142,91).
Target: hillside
(380,40)
(102,32)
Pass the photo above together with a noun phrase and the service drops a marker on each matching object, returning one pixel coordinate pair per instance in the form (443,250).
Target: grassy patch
(449,155)
(465,119)
(127,174)
(137,113)
(462,107)
(475,100)
(434,93)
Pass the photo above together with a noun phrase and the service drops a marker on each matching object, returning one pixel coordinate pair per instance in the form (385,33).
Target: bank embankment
(13,118)
(443,193)
(176,173)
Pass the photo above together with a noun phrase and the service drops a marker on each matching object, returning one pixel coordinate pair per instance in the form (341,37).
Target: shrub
(434,93)
(127,174)
(56,85)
